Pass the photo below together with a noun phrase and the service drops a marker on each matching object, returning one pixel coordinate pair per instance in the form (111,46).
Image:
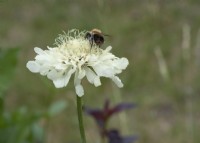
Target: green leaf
(37,132)
(56,108)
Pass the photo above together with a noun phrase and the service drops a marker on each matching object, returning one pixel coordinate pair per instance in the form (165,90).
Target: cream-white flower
(74,54)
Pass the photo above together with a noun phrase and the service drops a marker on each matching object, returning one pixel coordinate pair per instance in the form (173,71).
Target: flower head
(74,54)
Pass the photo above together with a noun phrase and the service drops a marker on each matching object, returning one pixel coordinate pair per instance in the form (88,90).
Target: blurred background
(161,39)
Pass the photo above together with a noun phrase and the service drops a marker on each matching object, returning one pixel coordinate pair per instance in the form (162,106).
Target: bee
(95,36)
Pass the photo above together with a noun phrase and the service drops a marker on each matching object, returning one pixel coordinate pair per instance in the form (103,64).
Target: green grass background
(161,39)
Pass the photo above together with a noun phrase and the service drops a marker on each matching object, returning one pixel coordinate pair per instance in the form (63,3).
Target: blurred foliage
(8,62)
(161,39)
(21,125)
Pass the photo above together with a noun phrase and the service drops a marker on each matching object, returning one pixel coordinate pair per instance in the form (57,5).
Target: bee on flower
(73,54)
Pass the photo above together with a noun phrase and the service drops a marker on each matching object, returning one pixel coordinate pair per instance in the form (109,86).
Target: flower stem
(80,118)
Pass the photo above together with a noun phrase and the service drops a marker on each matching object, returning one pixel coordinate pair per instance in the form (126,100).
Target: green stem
(80,119)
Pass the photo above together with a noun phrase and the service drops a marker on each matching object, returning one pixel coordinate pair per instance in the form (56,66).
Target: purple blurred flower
(102,116)
(115,137)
